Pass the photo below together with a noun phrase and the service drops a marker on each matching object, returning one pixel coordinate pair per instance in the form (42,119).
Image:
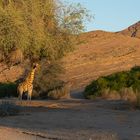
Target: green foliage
(72,16)
(13,31)
(40,29)
(8,90)
(115,82)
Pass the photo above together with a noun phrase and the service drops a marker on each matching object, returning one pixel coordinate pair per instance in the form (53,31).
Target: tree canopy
(39,28)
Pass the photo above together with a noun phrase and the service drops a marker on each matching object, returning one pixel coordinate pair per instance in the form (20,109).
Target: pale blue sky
(111,15)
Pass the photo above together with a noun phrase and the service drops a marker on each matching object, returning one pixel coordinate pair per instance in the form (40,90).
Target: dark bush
(115,82)
(8,90)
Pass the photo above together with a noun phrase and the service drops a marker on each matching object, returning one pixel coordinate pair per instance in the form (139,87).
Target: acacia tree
(40,29)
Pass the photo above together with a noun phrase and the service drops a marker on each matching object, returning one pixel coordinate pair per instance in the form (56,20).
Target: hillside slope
(133,31)
(100,53)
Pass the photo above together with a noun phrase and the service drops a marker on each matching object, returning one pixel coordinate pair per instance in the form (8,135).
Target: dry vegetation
(126,94)
(61,92)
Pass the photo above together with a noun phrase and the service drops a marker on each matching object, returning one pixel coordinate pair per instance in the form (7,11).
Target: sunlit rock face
(133,31)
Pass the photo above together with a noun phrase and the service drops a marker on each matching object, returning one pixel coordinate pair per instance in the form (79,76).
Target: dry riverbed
(73,119)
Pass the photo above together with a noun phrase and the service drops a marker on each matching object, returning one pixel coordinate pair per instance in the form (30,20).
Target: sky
(111,15)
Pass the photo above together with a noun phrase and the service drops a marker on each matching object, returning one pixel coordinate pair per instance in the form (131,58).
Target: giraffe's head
(35,65)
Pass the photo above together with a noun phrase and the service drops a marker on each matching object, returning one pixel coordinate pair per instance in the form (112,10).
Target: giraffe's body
(27,85)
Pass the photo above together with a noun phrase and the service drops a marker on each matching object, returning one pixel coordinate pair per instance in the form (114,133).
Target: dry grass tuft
(128,94)
(111,95)
(60,92)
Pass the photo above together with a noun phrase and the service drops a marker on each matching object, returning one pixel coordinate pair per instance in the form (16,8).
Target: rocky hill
(102,53)
(133,31)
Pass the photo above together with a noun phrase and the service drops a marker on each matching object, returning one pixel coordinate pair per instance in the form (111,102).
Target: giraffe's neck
(30,77)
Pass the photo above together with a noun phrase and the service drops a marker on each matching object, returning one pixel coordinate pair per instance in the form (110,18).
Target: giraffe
(27,84)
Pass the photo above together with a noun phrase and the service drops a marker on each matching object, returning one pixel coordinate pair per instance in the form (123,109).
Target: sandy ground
(16,134)
(73,119)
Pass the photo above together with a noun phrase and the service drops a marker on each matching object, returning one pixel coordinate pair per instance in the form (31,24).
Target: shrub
(9,109)
(92,90)
(138,101)
(8,90)
(48,79)
(128,94)
(122,85)
(60,92)
(111,95)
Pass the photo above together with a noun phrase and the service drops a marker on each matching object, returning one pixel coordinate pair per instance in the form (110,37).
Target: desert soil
(72,119)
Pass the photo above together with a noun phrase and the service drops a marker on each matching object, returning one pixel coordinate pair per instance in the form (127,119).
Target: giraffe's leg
(30,93)
(20,92)
(20,95)
(28,96)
